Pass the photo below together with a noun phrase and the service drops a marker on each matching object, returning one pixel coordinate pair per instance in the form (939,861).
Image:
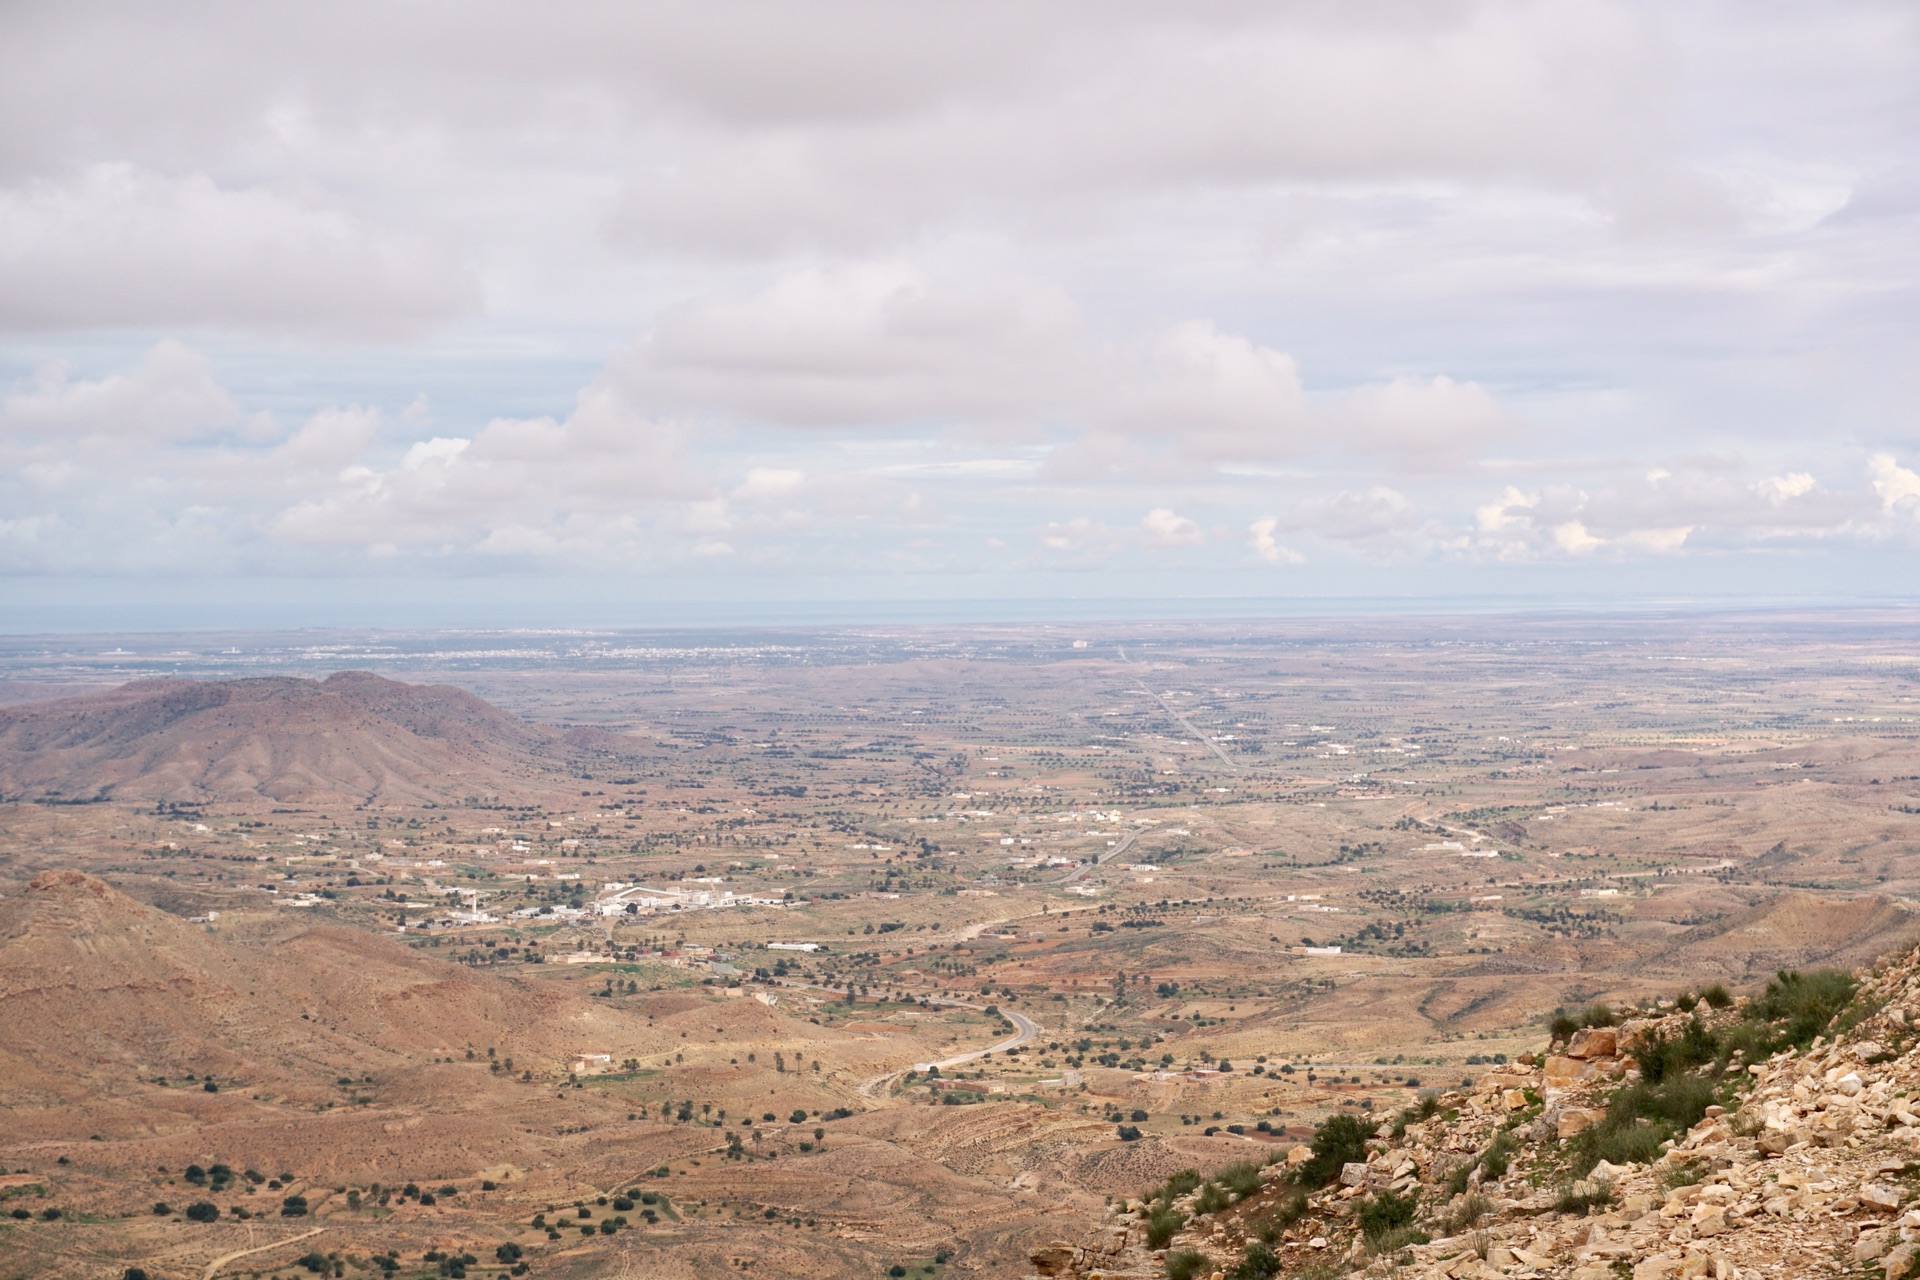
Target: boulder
(1562,1071)
(1660,1266)
(1053,1259)
(1574,1120)
(1594,1042)
(1880,1197)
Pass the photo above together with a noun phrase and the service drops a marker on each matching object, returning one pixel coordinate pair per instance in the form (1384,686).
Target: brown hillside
(1791,931)
(97,991)
(352,736)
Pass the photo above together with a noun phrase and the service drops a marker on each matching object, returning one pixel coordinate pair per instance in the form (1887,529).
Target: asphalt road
(1024,1030)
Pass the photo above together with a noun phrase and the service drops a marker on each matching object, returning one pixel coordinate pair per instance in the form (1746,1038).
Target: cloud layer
(1255,296)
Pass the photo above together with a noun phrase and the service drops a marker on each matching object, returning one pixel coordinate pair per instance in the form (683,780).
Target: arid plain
(823,953)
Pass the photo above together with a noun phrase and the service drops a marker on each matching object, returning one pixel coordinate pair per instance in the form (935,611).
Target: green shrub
(1804,1003)
(1598,1015)
(1571,1201)
(1257,1262)
(1287,1210)
(1664,1057)
(1425,1109)
(1242,1178)
(1212,1198)
(1185,1264)
(1466,1211)
(1640,1118)
(1562,1025)
(1498,1156)
(1176,1185)
(1337,1140)
(1385,1212)
(1685,1174)
(1162,1223)
(1717,996)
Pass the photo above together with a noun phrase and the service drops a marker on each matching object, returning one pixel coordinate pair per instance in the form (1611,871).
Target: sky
(602,312)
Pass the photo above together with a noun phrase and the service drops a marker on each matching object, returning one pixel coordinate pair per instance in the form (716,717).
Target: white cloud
(1897,486)
(172,393)
(518,486)
(864,345)
(1076,534)
(1165,527)
(439,451)
(1784,488)
(889,346)
(1267,547)
(1376,519)
(763,483)
(1433,418)
(1217,393)
(120,247)
(1665,511)
(1572,537)
(899,279)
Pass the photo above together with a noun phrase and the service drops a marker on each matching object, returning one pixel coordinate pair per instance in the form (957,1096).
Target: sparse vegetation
(847,809)
(1186,1264)
(1338,1140)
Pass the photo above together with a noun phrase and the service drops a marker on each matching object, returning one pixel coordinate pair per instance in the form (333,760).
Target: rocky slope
(1777,1136)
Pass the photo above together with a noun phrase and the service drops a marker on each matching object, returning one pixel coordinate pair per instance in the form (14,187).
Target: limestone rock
(1563,1072)
(1576,1120)
(1594,1042)
(1054,1258)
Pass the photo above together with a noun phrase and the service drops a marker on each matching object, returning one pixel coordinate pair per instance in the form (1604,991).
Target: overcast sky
(838,300)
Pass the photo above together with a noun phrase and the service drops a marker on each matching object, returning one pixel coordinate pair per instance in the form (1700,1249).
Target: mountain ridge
(354,736)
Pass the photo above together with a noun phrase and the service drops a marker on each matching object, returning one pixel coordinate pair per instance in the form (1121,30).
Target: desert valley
(836,953)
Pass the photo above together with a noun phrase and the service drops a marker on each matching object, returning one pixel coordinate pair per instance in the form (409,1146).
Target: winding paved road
(1024,1029)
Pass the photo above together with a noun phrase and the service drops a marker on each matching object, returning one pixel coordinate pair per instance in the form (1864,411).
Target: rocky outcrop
(1809,1165)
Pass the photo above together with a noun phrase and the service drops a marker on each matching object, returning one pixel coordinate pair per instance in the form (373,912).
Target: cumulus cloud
(1375,521)
(1663,512)
(888,345)
(1897,486)
(1433,418)
(1267,547)
(874,344)
(171,394)
(1298,282)
(122,247)
(538,486)
(1078,109)
(1086,540)
(1165,527)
